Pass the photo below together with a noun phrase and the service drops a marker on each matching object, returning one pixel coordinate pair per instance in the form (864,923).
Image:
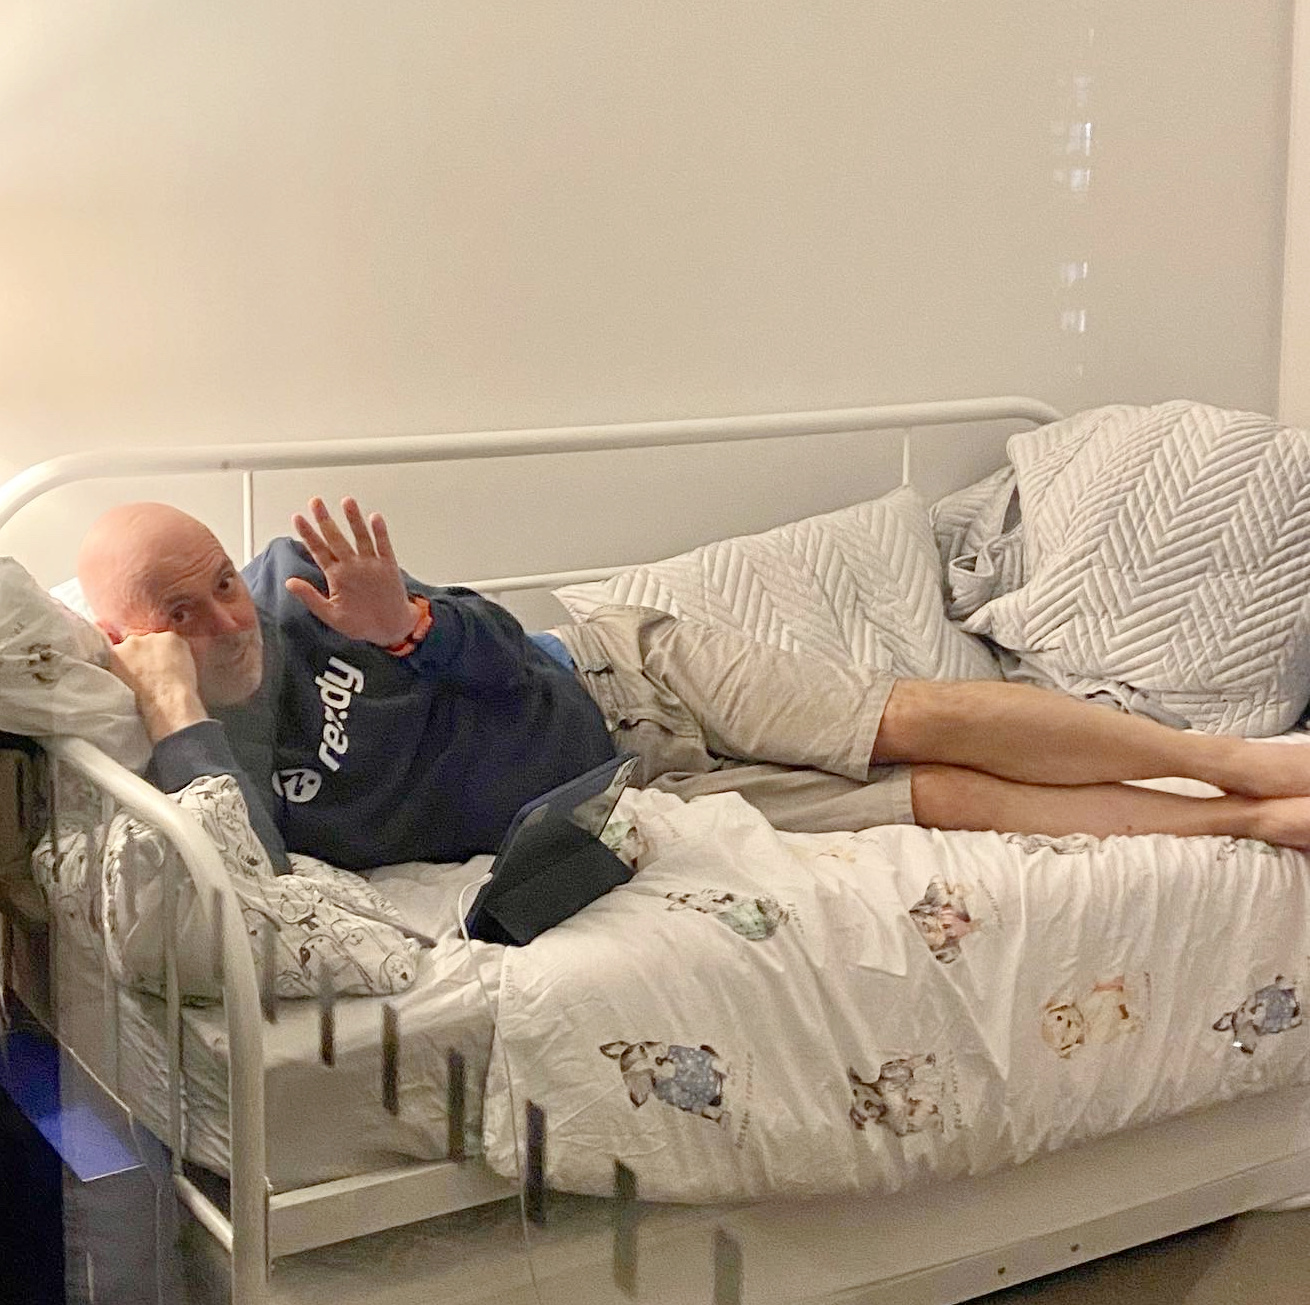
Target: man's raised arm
(457,634)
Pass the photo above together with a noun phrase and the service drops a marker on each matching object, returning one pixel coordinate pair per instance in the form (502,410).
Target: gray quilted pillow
(861,584)
(1166,564)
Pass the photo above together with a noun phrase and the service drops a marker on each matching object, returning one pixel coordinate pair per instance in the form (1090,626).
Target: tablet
(552,861)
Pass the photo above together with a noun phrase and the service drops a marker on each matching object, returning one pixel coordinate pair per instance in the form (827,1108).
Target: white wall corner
(1294,362)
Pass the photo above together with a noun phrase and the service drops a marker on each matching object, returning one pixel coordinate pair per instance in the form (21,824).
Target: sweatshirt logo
(336,687)
(299,784)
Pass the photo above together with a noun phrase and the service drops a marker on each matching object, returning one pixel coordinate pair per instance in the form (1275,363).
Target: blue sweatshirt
(361,758)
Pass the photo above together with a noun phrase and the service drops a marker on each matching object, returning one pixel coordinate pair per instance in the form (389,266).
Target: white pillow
(861,584)
(1163,564)
(54,677)
(70,594)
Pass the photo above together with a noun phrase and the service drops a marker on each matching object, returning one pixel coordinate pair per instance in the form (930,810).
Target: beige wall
(1294,386)
(288,217)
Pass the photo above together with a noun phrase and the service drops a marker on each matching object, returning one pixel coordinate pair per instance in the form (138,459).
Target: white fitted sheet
(328,1123)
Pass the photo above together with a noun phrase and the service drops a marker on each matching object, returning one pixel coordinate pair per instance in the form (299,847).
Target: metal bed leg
(250,1260)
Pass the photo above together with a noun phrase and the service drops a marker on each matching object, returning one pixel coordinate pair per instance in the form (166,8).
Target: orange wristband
(421,627)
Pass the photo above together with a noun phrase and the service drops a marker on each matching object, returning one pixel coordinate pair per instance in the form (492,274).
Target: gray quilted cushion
(1165,564)
(861,584)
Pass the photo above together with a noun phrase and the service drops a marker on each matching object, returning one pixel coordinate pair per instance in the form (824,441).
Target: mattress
(322,1122)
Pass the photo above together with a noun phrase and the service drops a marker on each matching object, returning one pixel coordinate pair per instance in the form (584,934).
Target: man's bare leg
(1038,736)
(952,797)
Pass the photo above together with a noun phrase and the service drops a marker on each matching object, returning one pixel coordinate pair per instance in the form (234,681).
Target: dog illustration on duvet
(943,919)
(756,917)
(1271,1009)
(1107,1011)
(903,1098)
(690,1078)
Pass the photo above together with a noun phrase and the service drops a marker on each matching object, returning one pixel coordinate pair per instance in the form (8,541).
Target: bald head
(146,568)
(125,557)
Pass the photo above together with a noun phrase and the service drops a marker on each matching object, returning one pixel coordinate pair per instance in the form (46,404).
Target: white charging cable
(509,1084)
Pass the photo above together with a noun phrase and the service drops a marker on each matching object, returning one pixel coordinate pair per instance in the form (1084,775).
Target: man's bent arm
(203,749)
(159,670)
(462,637)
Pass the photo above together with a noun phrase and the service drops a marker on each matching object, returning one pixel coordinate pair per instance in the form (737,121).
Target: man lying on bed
(371,718)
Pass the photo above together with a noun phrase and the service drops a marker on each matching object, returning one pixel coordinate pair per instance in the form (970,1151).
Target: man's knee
(935,793)
(912,711)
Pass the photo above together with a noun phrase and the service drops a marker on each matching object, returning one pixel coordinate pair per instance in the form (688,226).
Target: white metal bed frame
(262,1225)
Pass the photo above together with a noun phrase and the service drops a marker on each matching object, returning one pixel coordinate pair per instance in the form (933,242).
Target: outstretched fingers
(382,536)
(319,548)
(358,527)
(327,542)
(331,532)
(366,597)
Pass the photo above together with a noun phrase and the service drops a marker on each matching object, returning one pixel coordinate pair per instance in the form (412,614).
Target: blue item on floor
(87,1142)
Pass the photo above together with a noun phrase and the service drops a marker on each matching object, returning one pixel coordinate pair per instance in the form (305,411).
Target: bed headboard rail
(283,455)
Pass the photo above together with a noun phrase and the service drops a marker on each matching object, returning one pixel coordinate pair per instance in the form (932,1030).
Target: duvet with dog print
(761,1014)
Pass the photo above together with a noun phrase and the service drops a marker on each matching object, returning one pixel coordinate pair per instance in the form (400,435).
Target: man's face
(196,592)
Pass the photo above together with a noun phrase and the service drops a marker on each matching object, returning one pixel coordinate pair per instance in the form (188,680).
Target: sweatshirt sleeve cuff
(186,754)
(203,749)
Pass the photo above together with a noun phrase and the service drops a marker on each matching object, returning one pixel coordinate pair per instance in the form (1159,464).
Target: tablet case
(550,867)
(566,869)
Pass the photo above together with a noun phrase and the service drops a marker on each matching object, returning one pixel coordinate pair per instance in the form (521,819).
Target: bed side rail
(245,1232)
(24,942)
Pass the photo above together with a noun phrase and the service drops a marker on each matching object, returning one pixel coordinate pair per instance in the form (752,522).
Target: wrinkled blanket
(1157,557)
(762,1014)
(329,926)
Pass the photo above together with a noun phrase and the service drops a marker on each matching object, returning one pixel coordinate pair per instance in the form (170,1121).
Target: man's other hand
(366,596)
(159,670)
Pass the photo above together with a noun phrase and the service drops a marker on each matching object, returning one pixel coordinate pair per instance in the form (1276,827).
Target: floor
(32,1266)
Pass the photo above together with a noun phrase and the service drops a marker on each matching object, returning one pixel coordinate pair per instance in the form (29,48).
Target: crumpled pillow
(1163,565)
(69,592)
(318,935)
(861,584)
(54,677)
(979,532)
